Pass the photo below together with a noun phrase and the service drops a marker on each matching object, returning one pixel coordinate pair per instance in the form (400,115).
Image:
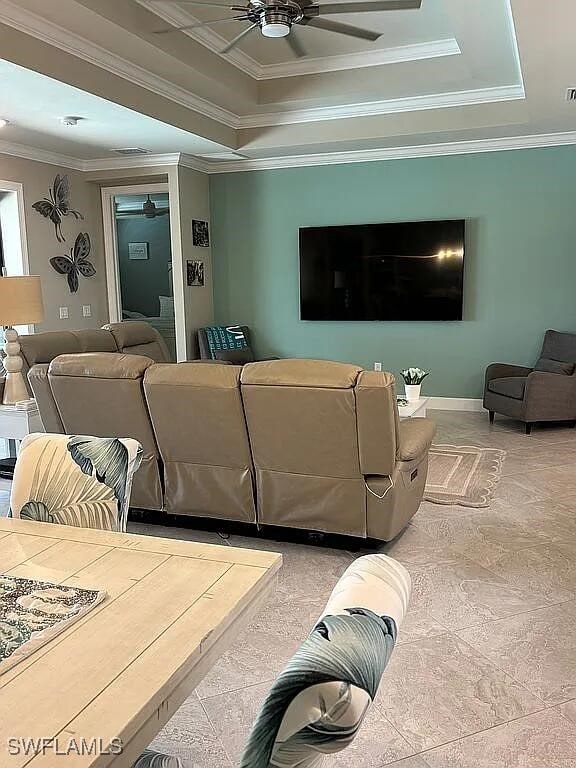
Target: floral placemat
(33,612)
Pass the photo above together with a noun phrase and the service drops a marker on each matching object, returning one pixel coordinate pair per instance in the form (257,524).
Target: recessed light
(70,120)
(3,122)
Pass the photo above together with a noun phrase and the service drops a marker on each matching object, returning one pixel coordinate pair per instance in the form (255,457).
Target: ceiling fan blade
(210,3)
(342,29)
(295,45)
(167,30)
(365,7)
(237,39)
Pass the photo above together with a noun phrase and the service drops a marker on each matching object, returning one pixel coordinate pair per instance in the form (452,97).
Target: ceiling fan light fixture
(275,29)
(275,23)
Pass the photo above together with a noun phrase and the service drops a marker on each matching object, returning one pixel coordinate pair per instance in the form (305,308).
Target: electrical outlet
(63,313)
(377,366)
(87,310)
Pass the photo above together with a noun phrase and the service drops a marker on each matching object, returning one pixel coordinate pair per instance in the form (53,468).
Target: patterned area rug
(33,612)
(463,474)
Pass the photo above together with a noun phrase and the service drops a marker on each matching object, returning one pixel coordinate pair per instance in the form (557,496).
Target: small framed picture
(137,251)
(200,234)
(195,273)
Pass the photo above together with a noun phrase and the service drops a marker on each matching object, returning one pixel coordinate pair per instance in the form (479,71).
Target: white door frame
(111,253)
(18,261)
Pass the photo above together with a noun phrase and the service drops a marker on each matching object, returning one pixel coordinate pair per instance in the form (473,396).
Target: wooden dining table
(110,681)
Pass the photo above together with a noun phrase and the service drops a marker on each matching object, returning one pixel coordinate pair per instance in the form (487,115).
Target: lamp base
(14,387)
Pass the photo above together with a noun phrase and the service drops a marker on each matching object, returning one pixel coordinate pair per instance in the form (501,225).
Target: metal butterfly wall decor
(75,264)
(57,205)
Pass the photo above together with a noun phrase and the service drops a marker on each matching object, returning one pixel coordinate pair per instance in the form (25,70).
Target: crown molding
(41,155)
(397,55)
(385,107)
(476,146)
(213,166)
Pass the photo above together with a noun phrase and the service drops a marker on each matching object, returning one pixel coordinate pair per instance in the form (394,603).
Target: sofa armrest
(505,370)
(415,438)
(550,396)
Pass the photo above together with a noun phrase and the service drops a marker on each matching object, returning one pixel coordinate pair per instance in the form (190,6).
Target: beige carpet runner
(463,474)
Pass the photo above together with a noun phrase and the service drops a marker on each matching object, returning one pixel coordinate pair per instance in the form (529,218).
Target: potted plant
(413,378)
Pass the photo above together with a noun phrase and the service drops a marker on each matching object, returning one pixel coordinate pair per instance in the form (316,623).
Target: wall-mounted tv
(398,271)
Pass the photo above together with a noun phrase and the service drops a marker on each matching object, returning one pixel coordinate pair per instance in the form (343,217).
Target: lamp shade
(21,300)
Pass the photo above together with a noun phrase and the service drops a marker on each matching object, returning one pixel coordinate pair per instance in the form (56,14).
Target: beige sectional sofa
(307,444)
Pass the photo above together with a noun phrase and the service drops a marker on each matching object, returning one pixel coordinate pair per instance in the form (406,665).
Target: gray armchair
(546,392)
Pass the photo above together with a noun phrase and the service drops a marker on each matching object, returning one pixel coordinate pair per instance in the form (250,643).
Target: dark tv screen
(398,271)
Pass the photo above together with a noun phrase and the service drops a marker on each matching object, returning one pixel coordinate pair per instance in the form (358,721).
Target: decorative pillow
(235,356)
(317,705)
(166,306)
(80,481)
(554,366)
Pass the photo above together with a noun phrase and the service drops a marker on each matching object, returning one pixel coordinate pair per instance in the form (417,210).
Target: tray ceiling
(450,68)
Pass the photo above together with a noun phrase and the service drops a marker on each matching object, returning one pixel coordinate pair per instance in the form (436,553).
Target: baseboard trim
(455,404)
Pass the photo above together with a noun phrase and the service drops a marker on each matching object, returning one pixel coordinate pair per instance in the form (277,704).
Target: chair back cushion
(80,481)
(102,394)
(196,410)
(554,366)
(318,703)
(559,346)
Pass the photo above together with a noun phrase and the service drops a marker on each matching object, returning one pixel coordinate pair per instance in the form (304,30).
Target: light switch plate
(377,366)
(63,313)
(87,310)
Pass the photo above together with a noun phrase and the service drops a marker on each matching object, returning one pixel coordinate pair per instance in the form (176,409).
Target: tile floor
(484,675)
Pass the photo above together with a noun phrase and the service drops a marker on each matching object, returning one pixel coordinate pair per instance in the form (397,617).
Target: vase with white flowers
(413,378)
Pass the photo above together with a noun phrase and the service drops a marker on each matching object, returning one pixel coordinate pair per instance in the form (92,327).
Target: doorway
(139,258)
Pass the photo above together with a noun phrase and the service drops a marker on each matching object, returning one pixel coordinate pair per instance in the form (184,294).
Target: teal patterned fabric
(221,337)
(318,703)
(75,480)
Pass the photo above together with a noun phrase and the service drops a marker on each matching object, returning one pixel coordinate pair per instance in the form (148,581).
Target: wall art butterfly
(57,205)
(75,264)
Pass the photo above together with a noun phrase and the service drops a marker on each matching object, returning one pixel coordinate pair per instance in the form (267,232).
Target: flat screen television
(397,271)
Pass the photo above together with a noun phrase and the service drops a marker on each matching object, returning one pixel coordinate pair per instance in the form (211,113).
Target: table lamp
(20,304)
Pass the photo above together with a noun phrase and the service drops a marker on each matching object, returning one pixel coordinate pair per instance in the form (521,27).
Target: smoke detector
(131,151)
(571,94)
(70,120)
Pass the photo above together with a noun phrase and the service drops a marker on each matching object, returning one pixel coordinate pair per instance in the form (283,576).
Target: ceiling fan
(149,210)
(277,18)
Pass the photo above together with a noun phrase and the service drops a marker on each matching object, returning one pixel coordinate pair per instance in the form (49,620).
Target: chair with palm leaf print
(151,759)
(75,480)
(317,705)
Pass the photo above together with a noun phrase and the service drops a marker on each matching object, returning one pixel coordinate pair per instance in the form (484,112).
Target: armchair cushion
(554,366)
(510,386)
(415,438)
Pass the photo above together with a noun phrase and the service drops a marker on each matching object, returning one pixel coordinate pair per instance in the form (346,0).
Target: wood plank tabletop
(115,677)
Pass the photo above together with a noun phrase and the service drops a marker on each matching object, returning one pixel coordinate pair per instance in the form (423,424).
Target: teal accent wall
(520,265)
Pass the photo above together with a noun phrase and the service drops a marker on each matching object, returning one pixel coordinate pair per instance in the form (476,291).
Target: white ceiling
(453,71)
(35,120)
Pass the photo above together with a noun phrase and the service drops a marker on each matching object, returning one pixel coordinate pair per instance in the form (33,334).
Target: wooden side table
(15,423)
